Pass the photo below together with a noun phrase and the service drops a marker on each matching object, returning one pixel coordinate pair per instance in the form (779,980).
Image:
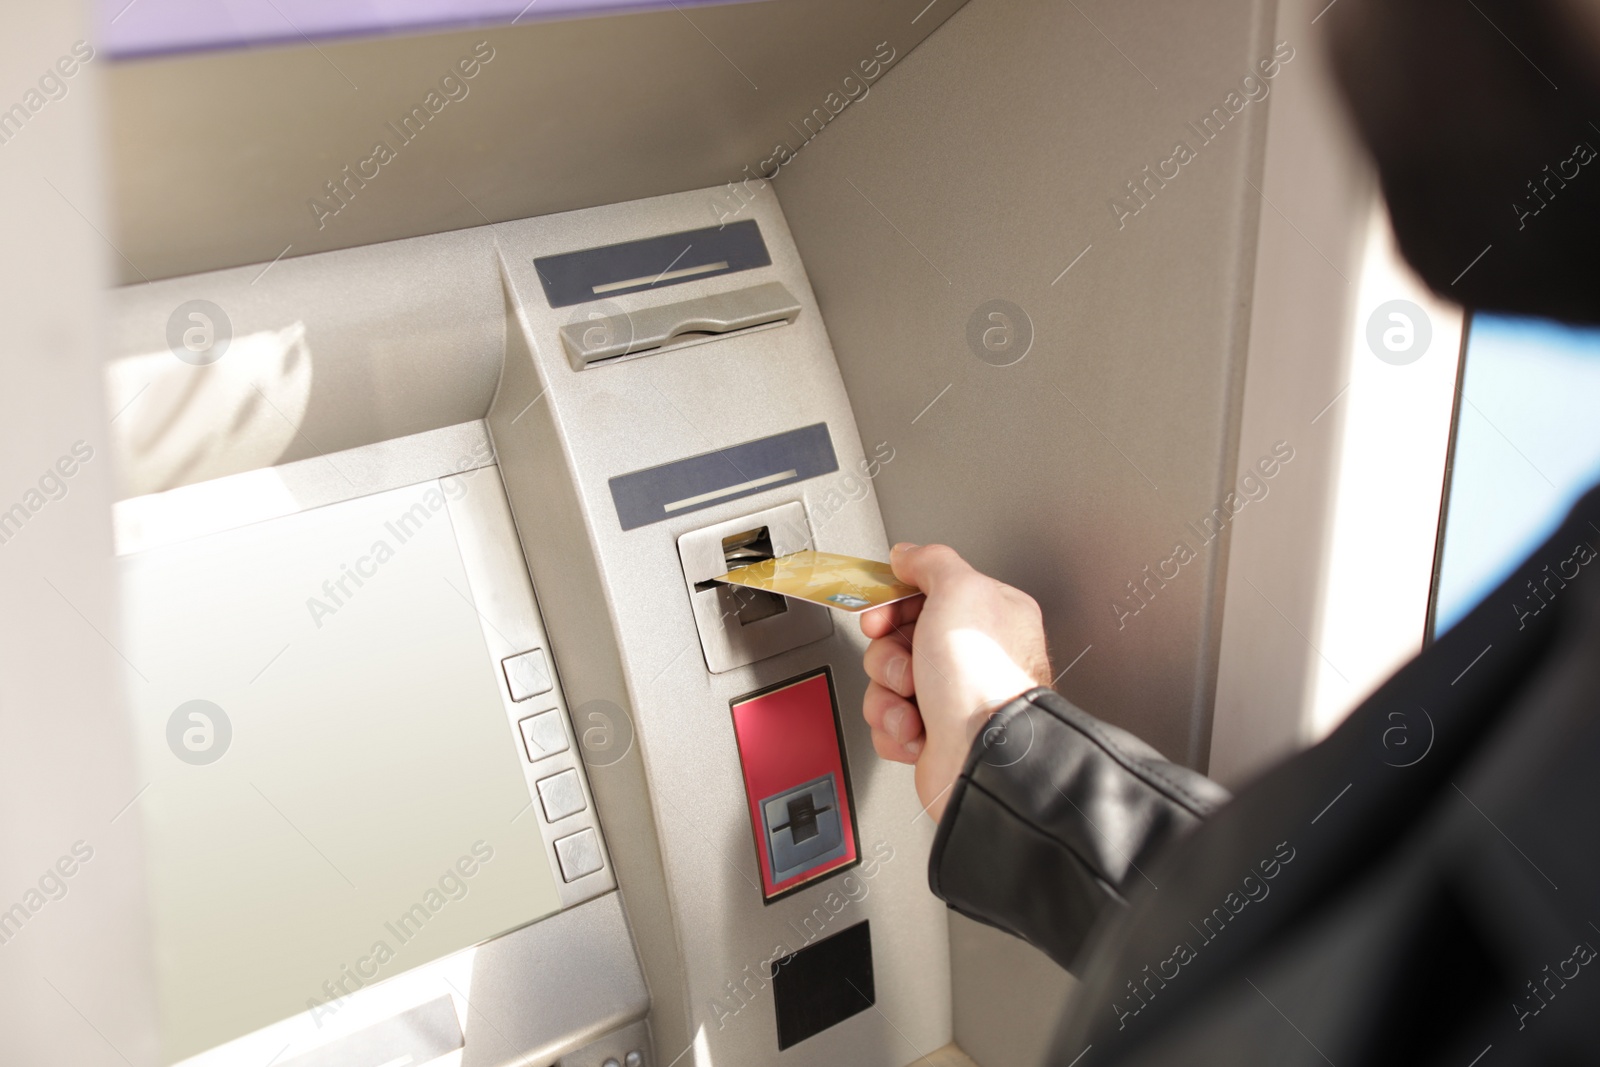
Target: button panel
(537,717)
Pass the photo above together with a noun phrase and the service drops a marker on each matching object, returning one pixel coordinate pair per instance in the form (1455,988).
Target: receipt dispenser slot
(611,338)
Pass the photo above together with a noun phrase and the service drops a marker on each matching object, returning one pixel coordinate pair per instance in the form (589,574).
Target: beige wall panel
(74,939)
(982,169)
(1307,275)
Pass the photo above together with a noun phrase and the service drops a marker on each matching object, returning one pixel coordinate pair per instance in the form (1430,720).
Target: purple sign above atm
(152,27)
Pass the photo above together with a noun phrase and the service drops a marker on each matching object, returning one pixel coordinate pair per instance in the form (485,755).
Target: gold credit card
(845,583)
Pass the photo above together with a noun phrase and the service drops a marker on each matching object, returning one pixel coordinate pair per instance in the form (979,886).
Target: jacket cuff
(1052,818)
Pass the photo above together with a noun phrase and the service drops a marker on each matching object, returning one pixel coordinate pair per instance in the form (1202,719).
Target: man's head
(1484,119)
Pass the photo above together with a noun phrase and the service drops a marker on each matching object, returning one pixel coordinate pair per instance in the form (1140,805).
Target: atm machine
(429,449)
(477,678)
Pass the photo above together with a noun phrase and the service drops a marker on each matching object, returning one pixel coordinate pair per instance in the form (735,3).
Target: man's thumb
(925,566)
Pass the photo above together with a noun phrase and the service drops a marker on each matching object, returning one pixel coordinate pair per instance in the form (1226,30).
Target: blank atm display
(332,794)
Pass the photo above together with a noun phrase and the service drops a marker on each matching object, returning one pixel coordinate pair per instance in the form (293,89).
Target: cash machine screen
(335,793)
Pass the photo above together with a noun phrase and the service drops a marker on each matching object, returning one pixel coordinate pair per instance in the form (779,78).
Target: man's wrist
(942,763)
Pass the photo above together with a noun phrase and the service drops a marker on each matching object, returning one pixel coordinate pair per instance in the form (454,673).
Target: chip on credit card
(844,583)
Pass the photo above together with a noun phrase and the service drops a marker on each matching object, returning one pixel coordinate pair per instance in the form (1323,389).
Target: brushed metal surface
(226,503)
(1080,464)
(1008,995)
(678,325)
(1298,369)
(602,585)
(628,1047)
(553,987)
(215,158)
(529,996)
(421,1035)
(356,347)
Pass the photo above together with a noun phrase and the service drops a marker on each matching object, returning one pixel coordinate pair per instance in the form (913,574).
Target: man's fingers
(876,622)
(888,661)
(892,750)
(877,701)
(927,566)
(893,716)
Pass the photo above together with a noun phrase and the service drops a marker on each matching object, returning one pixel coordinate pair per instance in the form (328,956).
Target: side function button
(527,674)
(542,735)
(561,795)
(579,855)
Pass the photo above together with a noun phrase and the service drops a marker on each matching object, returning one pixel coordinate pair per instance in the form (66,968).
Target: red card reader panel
(792,752)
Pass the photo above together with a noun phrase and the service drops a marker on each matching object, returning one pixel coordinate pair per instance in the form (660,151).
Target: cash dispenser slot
(611,338)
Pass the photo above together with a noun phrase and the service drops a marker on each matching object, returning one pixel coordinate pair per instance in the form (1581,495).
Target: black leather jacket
(1054,818)
(1422,887)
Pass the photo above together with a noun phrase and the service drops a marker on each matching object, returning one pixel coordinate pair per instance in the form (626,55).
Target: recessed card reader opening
(741,550)
(766,625)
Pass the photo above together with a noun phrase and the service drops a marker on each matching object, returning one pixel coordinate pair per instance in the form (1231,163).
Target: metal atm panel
(651,730)
(564,438)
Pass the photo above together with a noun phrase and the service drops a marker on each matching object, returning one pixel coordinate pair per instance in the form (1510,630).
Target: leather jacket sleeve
(1052,818)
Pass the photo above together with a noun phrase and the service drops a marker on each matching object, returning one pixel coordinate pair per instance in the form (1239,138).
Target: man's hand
(940,664)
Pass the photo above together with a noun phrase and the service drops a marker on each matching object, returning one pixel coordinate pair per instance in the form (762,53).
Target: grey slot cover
(632,333)
(418,1036)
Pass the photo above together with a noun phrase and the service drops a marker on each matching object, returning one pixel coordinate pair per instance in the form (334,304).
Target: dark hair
(1480,117)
